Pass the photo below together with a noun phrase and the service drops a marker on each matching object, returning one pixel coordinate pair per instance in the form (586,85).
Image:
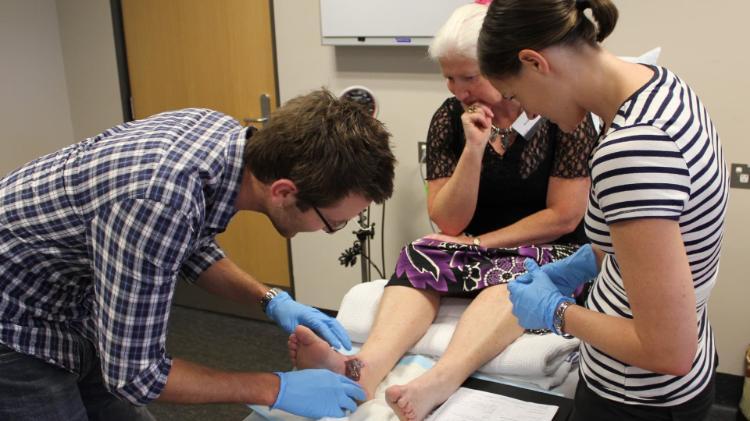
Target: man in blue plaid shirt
(94,237)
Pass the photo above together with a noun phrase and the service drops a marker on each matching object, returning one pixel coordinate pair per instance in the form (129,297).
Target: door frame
(125,93)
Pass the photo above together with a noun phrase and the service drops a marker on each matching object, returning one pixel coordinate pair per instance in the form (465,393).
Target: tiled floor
(233,343)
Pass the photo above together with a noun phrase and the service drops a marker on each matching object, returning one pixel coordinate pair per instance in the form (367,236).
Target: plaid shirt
(93,238)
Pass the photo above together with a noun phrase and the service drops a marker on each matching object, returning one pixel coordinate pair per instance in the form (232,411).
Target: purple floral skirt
(463,270)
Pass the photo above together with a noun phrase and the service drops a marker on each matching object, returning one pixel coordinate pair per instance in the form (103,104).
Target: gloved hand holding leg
(317,393)
(535,298)
(288,313)
(568,273)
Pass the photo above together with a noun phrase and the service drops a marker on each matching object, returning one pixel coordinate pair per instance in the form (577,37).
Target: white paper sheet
(476,405)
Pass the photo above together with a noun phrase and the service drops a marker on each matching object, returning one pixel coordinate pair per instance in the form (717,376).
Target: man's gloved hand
(569,273)
(288,313)
(535,298)
(317,393)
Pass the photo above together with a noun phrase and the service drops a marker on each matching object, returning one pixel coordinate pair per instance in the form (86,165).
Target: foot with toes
(415,400)
(307,350)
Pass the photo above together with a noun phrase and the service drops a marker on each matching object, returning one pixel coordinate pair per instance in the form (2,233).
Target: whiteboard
(383,22)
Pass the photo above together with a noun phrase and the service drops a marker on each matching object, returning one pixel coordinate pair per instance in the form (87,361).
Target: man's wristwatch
(268,296)
(559,320)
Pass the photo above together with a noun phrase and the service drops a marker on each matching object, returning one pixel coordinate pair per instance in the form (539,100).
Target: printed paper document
(476,405)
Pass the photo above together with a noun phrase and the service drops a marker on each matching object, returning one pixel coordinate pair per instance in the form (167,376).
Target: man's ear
(534,61)
(283,192)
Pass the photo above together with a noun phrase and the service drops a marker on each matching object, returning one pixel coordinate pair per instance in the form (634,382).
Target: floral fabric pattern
(453,268)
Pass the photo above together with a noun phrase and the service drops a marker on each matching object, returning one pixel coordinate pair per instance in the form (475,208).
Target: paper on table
(476,405)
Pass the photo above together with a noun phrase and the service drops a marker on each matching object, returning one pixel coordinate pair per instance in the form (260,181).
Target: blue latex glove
(317,393)
(535,298)
(569,273)
(288,313)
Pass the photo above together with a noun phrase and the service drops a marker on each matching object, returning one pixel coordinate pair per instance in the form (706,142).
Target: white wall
(702,43)
(34,107)
(88,51)
(409,89)
(58,76)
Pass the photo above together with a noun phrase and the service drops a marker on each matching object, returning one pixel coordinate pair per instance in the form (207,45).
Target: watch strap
(268,296)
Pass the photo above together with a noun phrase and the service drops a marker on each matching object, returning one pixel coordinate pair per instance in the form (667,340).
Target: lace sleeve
(574,150)
(441,158)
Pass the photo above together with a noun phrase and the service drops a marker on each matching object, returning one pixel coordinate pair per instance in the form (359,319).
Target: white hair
(459,34)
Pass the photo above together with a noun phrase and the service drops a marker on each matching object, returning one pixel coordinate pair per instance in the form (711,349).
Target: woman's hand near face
(477,122)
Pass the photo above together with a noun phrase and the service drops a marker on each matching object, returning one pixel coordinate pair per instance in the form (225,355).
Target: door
(214,54)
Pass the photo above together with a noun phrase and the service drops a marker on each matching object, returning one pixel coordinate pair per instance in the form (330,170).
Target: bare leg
(484,330)
(404,315)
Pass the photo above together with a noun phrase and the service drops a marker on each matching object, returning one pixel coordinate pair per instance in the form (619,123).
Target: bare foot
(307,350)
(415,400)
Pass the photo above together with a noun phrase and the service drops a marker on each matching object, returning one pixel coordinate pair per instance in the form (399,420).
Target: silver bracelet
(558,322)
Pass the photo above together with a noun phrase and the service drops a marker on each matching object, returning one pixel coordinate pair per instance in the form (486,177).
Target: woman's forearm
(567,199)
(452,202)
(620,338)
(540,227)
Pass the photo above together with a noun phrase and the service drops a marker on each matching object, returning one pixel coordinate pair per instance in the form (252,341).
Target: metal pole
(363,262)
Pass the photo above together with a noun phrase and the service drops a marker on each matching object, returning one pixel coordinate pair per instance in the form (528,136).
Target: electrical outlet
(740,177)
(422,152)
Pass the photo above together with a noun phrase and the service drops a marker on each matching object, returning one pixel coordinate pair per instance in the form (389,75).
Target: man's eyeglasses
(329,228)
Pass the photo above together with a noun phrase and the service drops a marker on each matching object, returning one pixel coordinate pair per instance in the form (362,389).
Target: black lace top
(514,185)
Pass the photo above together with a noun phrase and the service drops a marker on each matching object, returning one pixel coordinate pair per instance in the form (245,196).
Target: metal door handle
(265,111)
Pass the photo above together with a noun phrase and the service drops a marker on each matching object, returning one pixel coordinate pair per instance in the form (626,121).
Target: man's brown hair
(328,147)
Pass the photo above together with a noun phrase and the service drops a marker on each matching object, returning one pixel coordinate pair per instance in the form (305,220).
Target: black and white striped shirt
(661,158)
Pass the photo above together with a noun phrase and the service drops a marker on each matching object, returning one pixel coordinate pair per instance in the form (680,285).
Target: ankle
(439,381)
(353,368)
(366,380)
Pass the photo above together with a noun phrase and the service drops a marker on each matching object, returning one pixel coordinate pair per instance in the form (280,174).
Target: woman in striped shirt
(655,217)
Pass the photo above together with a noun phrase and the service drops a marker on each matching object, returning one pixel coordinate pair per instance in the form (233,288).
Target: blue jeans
(31,389)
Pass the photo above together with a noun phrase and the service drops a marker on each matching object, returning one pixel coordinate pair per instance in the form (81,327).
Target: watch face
(363,96)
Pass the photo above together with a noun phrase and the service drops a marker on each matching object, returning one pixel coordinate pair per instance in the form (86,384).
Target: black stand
(361,246)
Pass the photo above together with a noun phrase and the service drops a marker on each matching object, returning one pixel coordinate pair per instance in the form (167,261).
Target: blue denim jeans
(31,389)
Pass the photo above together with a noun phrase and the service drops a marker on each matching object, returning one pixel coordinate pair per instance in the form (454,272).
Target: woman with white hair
(499,196)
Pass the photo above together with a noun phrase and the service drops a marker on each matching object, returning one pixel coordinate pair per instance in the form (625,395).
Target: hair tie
(483,2)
